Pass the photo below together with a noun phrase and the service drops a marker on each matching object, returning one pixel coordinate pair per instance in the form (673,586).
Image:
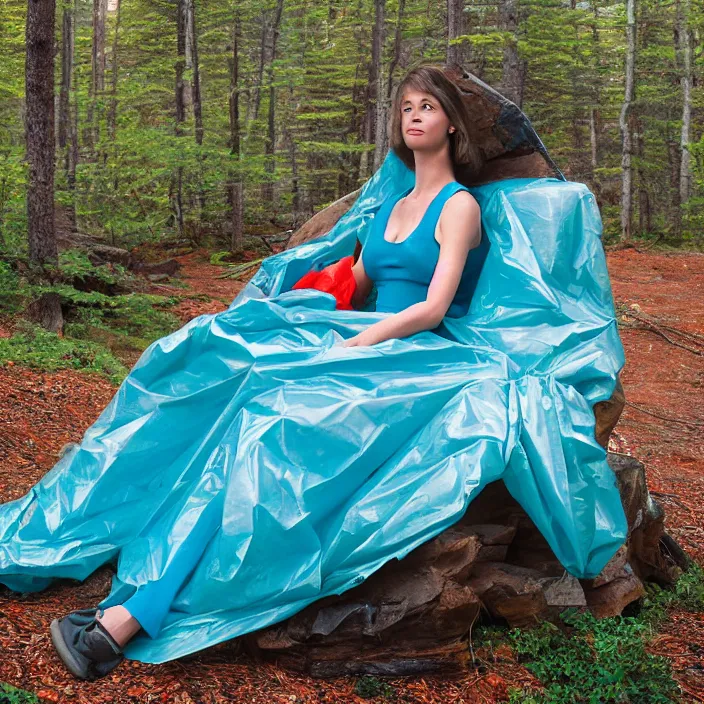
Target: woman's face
(424,123)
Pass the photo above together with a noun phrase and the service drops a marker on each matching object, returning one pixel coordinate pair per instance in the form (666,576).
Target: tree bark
(684,34)
(253,104)
(39,135)
(112,113)
(91,133)
(455,53)
(396,56)
(594,110)
(235,186)
(380,109)
(372,96)
(625,122)
(72,152)
(176,190)
(180,64)
(270,144)
(513,76)
(67,51)
(195,85)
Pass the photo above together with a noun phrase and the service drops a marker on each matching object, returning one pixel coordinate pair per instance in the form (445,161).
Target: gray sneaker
(84,645)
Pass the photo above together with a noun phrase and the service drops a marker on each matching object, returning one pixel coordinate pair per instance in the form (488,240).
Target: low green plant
(10,290)
(368,687)
(220,258)
(687,594)
(75,263)
(13,695)
(101,332)
(32,346)
(599,661)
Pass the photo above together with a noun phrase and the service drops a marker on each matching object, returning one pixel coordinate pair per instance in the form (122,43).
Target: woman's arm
(460,227)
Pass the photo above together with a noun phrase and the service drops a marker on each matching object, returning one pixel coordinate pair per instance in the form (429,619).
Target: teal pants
(151,602)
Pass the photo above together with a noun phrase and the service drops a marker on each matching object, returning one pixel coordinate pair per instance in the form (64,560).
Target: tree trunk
(39,86)
(384,148)
(371,98)
(596,100)
(91,133)
(176,190)
(72,153)
(193,63)
(270,144)
(195,85)
(39,138)
(67,50)
(180,64)
(380,109)
(625,122)
(253,105)
(455,53)
(298,22)
(513,76)
(684,34)
(112,113)
(235,186)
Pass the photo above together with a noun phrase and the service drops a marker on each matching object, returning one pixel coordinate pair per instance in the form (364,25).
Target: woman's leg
(119,623)
(148,606)
(90,644)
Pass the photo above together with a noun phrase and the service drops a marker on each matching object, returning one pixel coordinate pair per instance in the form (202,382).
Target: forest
(212,123)
(154,152)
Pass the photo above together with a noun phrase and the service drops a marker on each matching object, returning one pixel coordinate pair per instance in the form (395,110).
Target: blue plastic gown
(320,463)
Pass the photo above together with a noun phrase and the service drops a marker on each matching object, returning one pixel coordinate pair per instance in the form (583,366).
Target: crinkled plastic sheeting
(325,462)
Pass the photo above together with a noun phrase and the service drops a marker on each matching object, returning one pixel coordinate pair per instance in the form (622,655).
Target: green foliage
(75,264)
(138,318)
(32,346)
(127,180)
(687,594)
(10,289)
(597,661)
(13,182)
(602,660)
(12,695)
(99,329)
(368,687)
(220,258)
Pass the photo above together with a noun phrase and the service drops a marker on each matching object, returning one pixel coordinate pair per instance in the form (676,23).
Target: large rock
(413,615)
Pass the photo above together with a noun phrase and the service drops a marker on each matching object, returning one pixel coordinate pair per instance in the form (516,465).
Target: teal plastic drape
(324,462)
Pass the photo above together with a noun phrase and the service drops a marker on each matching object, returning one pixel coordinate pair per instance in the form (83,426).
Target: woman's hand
(363,339)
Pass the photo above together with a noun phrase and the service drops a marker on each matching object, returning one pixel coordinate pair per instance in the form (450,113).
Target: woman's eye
(424,105)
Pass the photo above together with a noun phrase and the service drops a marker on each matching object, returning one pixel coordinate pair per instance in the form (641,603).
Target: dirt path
(40,412)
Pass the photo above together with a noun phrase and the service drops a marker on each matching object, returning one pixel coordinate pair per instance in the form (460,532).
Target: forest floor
(662,425)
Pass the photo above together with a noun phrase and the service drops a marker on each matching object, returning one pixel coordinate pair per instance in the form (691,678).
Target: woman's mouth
(414,131)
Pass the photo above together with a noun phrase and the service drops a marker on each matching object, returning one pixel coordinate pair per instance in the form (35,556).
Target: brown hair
(430,78)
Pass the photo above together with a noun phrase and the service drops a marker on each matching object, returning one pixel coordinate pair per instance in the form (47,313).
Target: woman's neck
(433,171)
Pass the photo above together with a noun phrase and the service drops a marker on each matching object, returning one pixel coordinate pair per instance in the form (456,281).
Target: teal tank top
(402,271)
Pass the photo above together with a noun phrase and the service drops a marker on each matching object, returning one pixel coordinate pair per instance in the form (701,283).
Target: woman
(430,133)
(419,282)
(249,466)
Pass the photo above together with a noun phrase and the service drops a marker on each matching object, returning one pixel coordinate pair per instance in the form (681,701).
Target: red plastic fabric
(336,279)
